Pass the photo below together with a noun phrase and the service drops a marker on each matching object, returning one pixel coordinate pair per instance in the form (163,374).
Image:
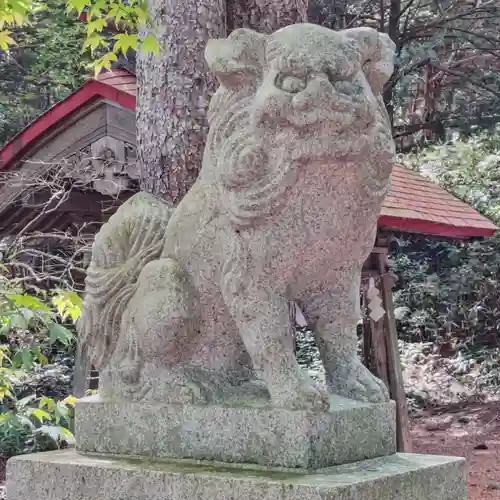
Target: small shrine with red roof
(91,135)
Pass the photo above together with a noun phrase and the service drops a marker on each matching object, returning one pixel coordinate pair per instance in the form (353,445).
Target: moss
(192,466)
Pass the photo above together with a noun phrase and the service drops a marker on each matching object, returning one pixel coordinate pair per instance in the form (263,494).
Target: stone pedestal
(130,451)
(68,475)
(350,432)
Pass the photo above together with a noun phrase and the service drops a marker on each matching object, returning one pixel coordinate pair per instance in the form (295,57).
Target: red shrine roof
(414,204)
(119,79)
(417,205)
(99,88)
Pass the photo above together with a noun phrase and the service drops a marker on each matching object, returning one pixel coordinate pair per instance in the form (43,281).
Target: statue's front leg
(266,326)
(333,313)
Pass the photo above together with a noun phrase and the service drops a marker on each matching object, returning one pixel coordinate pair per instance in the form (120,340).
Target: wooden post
(82,372)
(395,371)
(376,347)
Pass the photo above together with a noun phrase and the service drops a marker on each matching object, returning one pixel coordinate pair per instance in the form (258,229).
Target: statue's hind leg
(159,336)
(333,311)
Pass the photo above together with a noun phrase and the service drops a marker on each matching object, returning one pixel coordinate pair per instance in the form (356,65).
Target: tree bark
(174,90)
(329,13)
(265,16)
(395,35)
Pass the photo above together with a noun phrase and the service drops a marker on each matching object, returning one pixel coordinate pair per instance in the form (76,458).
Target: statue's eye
(330,75)
(290,83)
(336,76)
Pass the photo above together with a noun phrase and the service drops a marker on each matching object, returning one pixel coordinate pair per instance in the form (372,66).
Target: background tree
(44,66)
(447,73)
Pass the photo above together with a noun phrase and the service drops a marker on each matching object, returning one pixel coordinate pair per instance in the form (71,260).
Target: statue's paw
(302,396)
(191,393)
(369,388)
(353,380)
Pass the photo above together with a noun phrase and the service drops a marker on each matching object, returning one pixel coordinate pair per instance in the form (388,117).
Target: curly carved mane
(252,186)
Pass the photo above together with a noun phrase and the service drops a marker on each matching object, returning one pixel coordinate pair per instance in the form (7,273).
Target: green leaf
(59,333)
(29,302)
(150,45)
(6,41)
(5,417)
(125,42)
(61,412)
(46,402)
(103,63)
(40,357)
(141,14)
(39,414)
(69,401)
(4,355)
(94,41)
(67,435)
(5,392)
(23,358)
(69,303)
(17,321)
(77,5)
(24,420)
(96,26)
(97,9)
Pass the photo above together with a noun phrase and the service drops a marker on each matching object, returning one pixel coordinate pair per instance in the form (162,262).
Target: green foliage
(449,292)
(36,425)
(44,66)
(12,13)
(104,18)
(469,167)
(35,320)
(126,16)
(31,323)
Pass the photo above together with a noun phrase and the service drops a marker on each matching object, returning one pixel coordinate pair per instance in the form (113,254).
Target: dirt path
(472,432)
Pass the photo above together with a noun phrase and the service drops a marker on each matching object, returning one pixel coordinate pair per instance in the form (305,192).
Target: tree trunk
(265,16)
(329,13)
(174,90)
(395,35)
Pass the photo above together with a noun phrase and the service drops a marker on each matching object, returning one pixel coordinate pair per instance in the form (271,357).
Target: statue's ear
(237,60)
(377,53)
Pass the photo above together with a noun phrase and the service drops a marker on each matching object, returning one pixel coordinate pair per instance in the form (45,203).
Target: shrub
(448,292)
(32,325)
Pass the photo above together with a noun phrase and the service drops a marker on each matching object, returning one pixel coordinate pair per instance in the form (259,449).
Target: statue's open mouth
(333,122)
(327,141)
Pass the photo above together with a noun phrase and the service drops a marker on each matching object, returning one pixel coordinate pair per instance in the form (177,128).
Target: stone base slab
(351,431)
(64,475)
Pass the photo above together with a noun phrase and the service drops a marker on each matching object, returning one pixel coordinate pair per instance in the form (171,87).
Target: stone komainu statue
(192,304)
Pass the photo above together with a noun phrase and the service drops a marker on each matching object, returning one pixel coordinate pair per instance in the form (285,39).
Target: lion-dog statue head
(302,94)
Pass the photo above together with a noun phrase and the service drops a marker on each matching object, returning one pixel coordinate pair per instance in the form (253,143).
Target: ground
(471,431)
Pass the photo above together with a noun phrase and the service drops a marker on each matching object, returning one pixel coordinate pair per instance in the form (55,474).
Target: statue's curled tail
(132,237)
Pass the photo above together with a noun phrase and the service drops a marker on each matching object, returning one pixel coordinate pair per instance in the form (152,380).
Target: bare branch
(40,194)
